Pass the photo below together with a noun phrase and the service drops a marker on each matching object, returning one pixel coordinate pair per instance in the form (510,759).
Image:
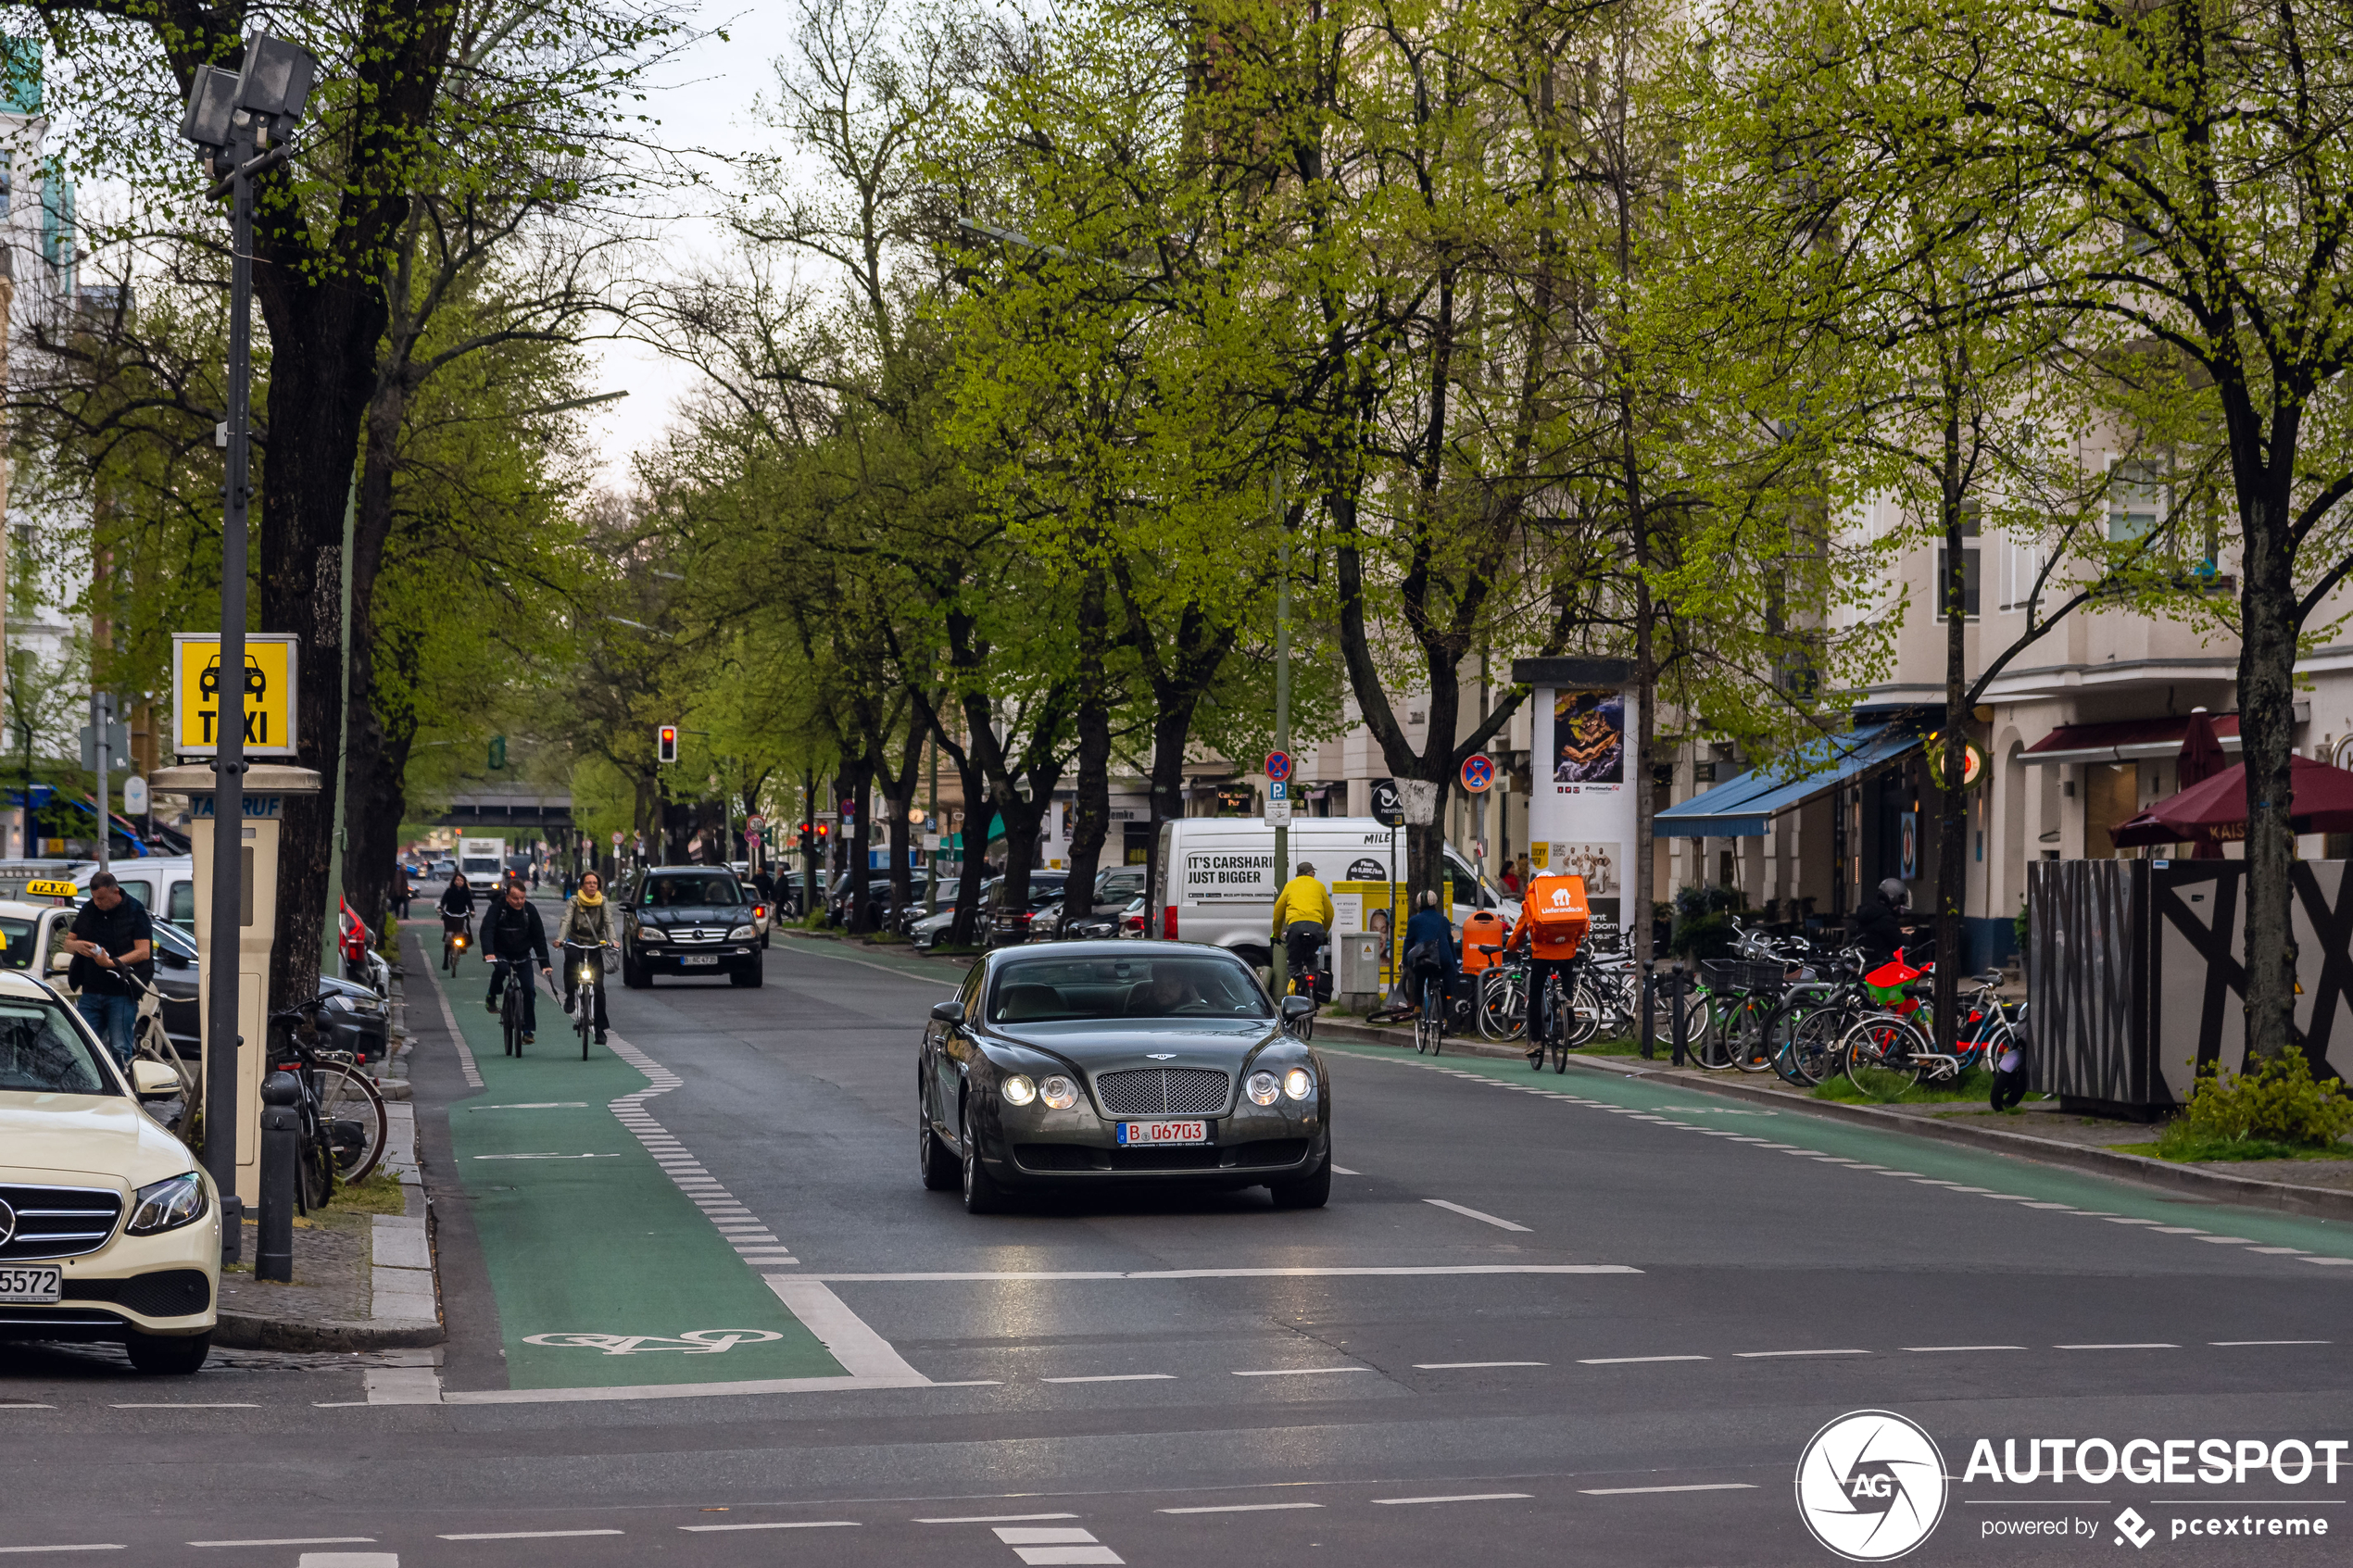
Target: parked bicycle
(343,1124)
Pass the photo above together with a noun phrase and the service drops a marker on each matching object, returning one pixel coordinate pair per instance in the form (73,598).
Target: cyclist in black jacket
(512,936)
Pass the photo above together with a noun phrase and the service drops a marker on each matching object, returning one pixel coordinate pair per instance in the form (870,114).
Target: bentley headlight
(743,933)
(1019,1090)
(166,1205)
(1262,1088)
(1059,1092)
(1299,1082)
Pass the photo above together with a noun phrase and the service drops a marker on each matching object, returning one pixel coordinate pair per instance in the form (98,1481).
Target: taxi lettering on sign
(268,688)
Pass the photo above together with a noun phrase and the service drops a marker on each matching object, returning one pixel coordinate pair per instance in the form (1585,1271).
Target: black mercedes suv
(686,919)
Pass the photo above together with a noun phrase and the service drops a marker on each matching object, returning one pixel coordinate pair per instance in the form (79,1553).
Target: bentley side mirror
(949,1013)
(1295,1008)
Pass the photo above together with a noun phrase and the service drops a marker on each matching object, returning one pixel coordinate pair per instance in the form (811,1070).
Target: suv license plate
(1147,1134)
(29,1287)
(692,960)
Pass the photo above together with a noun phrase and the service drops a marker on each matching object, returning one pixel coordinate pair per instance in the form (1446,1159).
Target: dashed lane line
(1301,1370)
(1640,1491)
(299,1540)
(1630,1361)
(755,1244)
(1459,1497)
(529,1534)
(995,1518)
(1240,1508)
(78,1545)
(1117,1377)
(1475,1214)
(1458,1366)
(779,1524)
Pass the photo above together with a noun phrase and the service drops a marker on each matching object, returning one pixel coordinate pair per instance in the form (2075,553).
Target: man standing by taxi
(1553,919)
(111,938)
(1302,923)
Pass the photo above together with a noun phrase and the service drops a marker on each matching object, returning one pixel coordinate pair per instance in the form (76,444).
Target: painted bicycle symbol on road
(694,1342)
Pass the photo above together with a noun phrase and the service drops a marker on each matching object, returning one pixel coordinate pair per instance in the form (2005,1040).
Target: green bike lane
(600,1266)
(1682,1110)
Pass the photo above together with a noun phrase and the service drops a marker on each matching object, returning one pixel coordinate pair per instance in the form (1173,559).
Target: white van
(483,860)
(164,884)
(1217,875)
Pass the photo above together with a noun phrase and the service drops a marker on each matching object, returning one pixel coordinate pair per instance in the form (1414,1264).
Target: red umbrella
(2201,758)
(2217,807)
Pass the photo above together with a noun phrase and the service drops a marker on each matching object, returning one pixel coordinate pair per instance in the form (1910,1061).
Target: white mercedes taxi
(108,1228)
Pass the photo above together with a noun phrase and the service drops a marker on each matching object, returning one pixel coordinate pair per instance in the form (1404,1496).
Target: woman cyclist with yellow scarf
(588,921)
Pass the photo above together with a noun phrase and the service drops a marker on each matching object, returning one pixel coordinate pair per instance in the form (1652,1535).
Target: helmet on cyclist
(1894,892)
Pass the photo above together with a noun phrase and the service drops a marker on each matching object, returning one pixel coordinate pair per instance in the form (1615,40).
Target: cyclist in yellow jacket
(1302,923)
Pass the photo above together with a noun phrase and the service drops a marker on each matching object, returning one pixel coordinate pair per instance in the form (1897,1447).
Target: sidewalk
(361,1281)
(2048,1136)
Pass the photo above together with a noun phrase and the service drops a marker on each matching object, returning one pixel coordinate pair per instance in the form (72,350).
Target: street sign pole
(1282,702)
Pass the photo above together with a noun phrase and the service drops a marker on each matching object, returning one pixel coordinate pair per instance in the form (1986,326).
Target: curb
(2193,1180)
(403,1285)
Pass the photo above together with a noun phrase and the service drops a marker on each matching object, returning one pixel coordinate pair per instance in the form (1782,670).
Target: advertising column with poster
(1581,805)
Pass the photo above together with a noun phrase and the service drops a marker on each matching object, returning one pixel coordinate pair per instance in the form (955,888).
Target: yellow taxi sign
(45,889)
(270,687)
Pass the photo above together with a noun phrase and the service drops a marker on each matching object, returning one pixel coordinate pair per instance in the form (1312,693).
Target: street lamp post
(234,118)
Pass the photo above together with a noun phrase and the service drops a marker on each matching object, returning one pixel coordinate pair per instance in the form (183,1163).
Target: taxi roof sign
(272,686)
(47,889)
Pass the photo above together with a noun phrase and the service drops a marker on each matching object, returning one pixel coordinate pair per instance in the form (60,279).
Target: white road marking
(2281,1251)
(2152,1346)
(174,1407)
(862,1352)
(1699,1487)
(1759,1355)
(2177,1230)
(1025,1534)
(2122,1220)
(1452,1366)
(529,1534)
(1629,1360)
(349,1560)
(299,1540)
(547,1157)
(1932,1350)
(449,1021)
(1465,1497)
(781,1525)
(1344,1171)
(2227,1240)
(1118,1377)
(538,1105)
(1301,1370)
(1475,1214)
(1301,1273)
(1239,1508)
(81,1546)
(2271,1342)
(2057,1205)
(2331,1262)
(995,1518)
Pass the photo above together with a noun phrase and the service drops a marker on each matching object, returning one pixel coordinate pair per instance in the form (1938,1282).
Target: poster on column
(1582,810)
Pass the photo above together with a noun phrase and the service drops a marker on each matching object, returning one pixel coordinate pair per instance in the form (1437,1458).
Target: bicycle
(1556,1026)
(1429,1023)
(590,990)
(518,973)
(453,945)
(344,1126)
(1501,1006)
(1303,1027)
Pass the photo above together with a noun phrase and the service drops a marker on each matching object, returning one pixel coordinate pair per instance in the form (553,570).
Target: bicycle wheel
(1703,1035)
(314,1170)
(353,1114)
(1752,1049)
(1497,998)
(1812,1055)
(1882,1055)
(1584,1015)
(587,1029)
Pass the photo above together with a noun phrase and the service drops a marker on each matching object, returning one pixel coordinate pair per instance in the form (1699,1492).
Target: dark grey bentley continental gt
(1083,1064)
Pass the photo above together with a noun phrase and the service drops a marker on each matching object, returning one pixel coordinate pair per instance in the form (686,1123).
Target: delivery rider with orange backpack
(1553,919)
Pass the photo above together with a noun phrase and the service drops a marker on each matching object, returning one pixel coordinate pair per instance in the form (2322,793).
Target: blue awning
(1742,806)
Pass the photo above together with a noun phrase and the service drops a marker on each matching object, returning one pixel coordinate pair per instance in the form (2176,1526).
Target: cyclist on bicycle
(1886,924)
(457,905)
(511,937)
(1302,923)
(1553,919)
(1430,951)
(588,921)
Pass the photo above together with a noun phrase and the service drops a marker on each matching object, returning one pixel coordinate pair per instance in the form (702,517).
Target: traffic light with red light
(666,743)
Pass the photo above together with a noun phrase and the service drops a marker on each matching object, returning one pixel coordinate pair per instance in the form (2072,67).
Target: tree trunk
(1171,728)
(1952,820)
(973,780)
(1091,812)
(2267,724)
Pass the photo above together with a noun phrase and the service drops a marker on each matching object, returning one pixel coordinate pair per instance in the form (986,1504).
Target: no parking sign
(1478,773)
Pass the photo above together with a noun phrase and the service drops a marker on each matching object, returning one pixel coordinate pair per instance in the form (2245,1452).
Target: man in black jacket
(1885,923)
(512,931)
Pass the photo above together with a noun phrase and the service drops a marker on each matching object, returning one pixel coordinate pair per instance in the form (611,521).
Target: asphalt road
(702,1310)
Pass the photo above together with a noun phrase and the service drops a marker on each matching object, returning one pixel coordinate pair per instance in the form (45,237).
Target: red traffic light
(666,743)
